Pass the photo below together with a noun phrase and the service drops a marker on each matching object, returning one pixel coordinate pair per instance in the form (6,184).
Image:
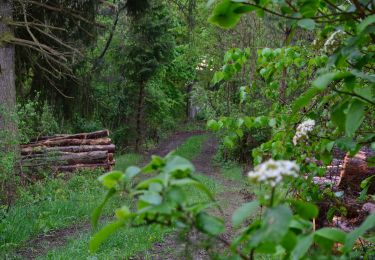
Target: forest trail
(229,198)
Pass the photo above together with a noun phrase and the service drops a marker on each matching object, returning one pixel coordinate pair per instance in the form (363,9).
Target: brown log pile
(68,153)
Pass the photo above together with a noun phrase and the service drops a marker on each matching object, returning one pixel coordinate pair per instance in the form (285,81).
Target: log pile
(68,153)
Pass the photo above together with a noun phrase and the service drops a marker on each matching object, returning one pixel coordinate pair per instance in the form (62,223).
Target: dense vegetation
(283,85)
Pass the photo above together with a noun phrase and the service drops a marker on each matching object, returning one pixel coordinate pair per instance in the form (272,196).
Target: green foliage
(36,118)
(161,200)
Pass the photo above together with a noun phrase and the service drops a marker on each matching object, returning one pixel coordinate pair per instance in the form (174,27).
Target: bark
(69,142)
(141,101)
(7,74)
(72,149)
(73,168)
(68,159)
(92,135)
(355,170)
(8,123)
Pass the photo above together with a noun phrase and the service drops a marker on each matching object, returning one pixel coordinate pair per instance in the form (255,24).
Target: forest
(187,129)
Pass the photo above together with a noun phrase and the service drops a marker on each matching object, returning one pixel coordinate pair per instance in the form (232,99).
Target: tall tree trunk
(141,101)
(8,125)
(7,81)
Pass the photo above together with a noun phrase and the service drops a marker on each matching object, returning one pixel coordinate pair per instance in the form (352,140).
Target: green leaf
(176,162)
(243,212)
(103,234)
(355,116)
(338,115)
(210,224)
(333,234)
(369,223)
(213,125)
(111,179)
(305,209)
(176,194)
(228,142)
(308,24)
(365,23)
(97,212)
(303,245)
(131,172)
(218,76)
(225,15)
(123,212)
(152,198)
(197,184)
(323,81)
(289,241)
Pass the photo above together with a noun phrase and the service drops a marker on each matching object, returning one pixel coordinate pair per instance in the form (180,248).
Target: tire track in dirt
(54,239)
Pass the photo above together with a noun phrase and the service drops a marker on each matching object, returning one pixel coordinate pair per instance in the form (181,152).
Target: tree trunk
(7,80)
(141,101)
(8,124)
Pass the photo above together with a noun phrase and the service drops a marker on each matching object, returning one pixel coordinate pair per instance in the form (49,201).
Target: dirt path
(233,195)
(58,238)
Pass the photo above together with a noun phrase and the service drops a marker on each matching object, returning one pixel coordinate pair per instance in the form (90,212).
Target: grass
(232,171)
(53,204)
(192,147)
(130,241)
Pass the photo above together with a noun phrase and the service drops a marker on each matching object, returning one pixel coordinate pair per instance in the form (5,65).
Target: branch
(354,95)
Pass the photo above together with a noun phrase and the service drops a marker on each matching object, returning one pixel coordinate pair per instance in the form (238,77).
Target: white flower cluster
(333,40)
(303,129)
(272,172)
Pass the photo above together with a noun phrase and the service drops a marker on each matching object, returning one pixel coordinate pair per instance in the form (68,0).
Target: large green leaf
(210,224)
(97,212)
(365,23)
(355,116)
(324,80)
(131,172)
(368,224)
(308,24)
(225,15)
(176,162)
(333,234)
(111,179)
(338,115)
(305,209)
(303,245)
(243,212)
(103,234)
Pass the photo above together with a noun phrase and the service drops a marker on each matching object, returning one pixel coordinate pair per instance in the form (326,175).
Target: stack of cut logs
(68,153)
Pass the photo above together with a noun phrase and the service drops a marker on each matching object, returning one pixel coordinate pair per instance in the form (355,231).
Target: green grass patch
(232,171)
(130,241)
(53,204)
(192,147)
(120,245)
(126,160)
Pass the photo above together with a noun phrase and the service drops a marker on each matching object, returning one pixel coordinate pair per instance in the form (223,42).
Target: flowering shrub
(273,172)
(303,129)
(285,229)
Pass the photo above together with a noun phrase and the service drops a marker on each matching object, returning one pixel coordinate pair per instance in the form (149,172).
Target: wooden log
(72,168)
(355,170)
(69,142)
(72,149)
(110,157)
(69,159)
(91,135)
